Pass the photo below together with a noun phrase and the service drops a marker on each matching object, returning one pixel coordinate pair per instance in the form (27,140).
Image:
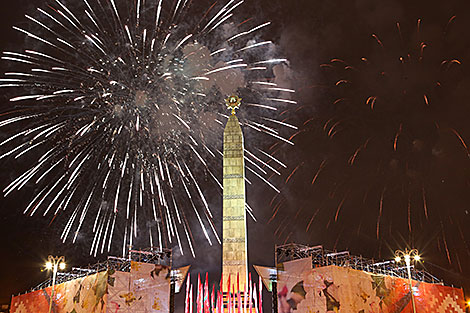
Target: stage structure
(313,279)
(143,282)
(323,257)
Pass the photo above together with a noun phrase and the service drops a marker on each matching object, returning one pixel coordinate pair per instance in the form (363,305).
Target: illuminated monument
(234,247)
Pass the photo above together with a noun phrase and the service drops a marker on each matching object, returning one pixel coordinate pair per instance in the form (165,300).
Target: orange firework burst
(389,144)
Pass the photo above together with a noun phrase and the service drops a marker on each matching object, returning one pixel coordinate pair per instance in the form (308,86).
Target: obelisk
(234,246)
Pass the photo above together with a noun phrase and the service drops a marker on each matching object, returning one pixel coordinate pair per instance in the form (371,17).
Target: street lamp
(408,256)
(54,263)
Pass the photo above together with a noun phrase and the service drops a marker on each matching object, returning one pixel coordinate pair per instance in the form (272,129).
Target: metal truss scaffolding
(151,255)
(322,257)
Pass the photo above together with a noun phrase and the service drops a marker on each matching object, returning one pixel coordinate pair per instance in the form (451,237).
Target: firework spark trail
(425,205)
(381,206)
(312,218)
(462,141)
(352,159)
(315,177)
(292,173)
(121,96)
(340,205)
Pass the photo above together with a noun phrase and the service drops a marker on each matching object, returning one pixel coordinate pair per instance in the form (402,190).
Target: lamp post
(273,278)
(173,279)
(408,256)
(54,263)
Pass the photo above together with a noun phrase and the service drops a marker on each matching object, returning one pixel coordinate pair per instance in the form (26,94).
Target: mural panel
(87,294)
(145,289)
(339,289)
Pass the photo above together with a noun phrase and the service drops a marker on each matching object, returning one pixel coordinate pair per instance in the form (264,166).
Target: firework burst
(123,103)
(392,139)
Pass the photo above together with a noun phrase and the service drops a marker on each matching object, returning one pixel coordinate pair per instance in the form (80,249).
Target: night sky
(367,174)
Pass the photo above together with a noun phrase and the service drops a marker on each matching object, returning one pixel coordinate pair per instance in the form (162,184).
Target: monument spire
(234,246)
